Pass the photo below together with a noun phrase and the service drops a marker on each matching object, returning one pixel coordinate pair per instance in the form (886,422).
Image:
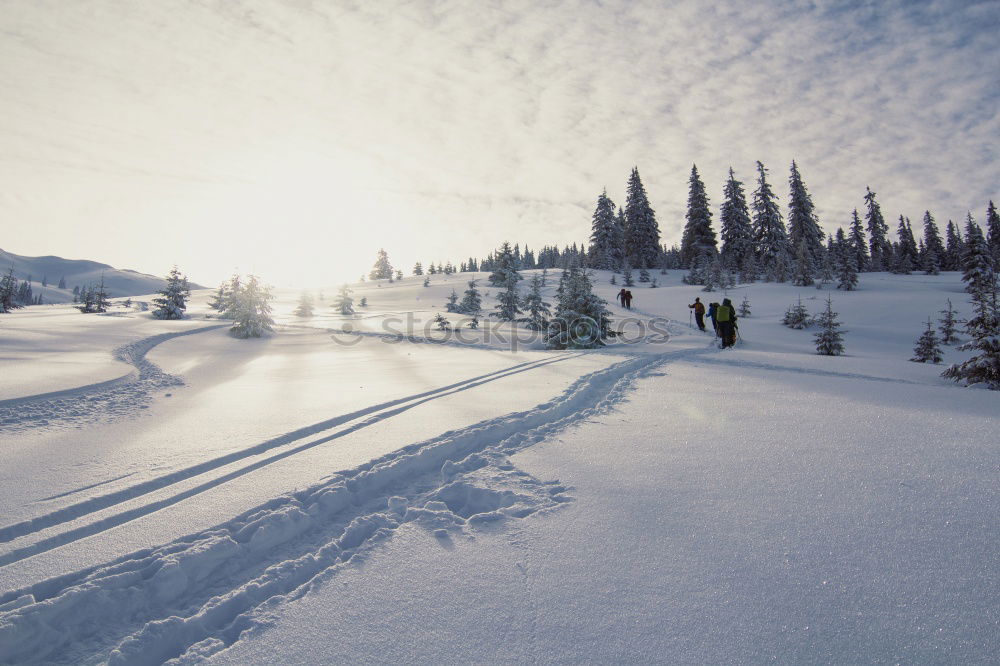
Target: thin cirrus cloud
(294,137)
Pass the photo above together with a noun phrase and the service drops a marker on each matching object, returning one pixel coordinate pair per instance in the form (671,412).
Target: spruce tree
(344,303)
(62,282)
(858,246)
(627,279)
(804,267)
(803,227)
(977,265)
(948,324)
(927,347)
(845,259)
(363,302)
(642,233)
(698,240)
(452,304)
(581,320)
(955,248)
(173,298)
(829,340)
(907,256)
(427,282)
(737,229)
(605,237)
(305,306)
(536,307)
(382,270)
(418,268)
(472,301)
(797,316)
(983,330)
(102,299)
(218,300)
(8,292)
(745,306)
(505,268)
(769,230)
(508,300)
(878,234)
(250,310)
(934,250)
(993,231)
(643,273)
(442,323)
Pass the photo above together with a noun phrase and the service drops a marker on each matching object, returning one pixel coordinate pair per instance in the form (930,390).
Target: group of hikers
(625,298)
(723,319)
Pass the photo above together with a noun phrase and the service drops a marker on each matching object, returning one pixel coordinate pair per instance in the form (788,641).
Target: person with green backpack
(725,317)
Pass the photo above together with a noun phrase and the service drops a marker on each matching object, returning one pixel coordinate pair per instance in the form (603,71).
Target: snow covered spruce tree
(536,307)
(627,279)
(382,270)
(773,252)
(977,264)
(927,347)
(505,268)
(343,303)
(250,310)
(984,337)
(607,238)
(803,227)
(858,246)
(737,229)
(948,324)
(442,323)
(581,320)
(954,248)
(878,234)
(698,241)
(8,292)
(641,231)
(745,306)
(95,299)
(418,268)
(508,300)
(934,251)
(173,298)
(797,316)
(452,304)
(305,306)
(802,275)
(845,258)
(472,301)
(218,300)
(907,257)
(829,340)
(993,233)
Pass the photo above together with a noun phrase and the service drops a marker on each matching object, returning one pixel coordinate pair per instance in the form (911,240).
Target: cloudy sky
(294,137)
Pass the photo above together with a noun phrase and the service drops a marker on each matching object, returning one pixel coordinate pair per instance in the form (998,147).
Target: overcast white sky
(295,137)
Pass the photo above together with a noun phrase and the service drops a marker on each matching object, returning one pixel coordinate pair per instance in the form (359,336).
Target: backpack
(699,308)
(723,313)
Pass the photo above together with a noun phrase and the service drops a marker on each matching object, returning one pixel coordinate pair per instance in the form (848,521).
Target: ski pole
(690,315)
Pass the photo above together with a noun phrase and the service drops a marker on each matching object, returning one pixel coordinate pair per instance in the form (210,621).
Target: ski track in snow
(353,422)
(188,599)
(110,400)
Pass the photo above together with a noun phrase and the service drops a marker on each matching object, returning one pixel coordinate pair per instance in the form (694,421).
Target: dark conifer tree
(927,347)
(8,292)
(948,324)
(983,328)
(878,234)
(955,248)
(173,298)
(993,233)
(472,301)
(581,320)
(737,229)
(344,303)
(977,265)
(934,251)
(508,300)
(642,233)
(605,237)
(803,227)
(698,241)
(536,307)
(504,267)
(858,246)
(62,282)
(829,340)
(769,230)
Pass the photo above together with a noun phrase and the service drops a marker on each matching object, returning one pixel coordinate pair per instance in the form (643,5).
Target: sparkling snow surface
(295,500)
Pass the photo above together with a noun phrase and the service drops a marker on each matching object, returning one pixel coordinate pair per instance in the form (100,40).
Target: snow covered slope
(395,494)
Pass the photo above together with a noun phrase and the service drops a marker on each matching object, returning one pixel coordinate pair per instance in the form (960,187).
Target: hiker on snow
(725,316)
(699,313)
(621,296)
(628,300)
(712,308)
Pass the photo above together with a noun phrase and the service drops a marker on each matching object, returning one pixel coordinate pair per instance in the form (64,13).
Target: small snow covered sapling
(363,302)
(797,316)
(427,282)
(344,303)
(829,340)
(927,348)
(474,321)
(745,306)
(305,306)
(948,325)
(452,304)
(442,323)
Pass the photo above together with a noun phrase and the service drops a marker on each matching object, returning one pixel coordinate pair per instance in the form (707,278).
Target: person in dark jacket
(621,296)
(699,313)
(628,299)
(725,315)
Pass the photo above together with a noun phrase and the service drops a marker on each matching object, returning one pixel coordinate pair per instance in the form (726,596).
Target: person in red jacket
(699,313)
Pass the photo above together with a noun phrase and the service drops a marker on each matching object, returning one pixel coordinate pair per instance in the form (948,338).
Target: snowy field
(170,494)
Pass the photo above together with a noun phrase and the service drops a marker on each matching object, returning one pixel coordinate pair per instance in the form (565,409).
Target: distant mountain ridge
(78,272)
